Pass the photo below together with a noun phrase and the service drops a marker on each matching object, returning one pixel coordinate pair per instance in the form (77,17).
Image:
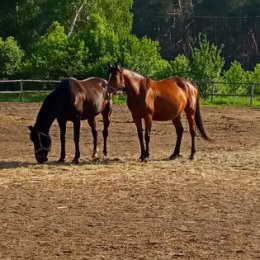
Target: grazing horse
(73,100)
(160,101)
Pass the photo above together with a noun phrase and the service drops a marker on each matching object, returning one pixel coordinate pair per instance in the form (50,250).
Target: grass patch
(121,99)
(26,97)
(231,101)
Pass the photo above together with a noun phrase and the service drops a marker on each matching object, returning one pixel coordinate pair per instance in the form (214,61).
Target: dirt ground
(119,208)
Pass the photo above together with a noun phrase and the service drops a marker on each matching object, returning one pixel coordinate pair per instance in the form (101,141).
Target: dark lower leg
(193,150)
(62,125)
(147,141)
(141,141)
(179,133)
(76,140)
(191,121)
(92,124)
(105,134)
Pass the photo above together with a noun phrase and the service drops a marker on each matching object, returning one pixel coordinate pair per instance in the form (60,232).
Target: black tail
(199,123)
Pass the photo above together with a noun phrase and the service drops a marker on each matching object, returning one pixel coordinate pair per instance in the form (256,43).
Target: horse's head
(115,79)
(42,144)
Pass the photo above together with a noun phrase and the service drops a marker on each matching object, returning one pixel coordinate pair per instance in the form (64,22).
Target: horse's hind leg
(92,124)
(191,120)
(148,128)
(179,131)
(76,126)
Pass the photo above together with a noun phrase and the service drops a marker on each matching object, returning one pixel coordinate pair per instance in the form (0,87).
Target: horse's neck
(47,114)
(133,84)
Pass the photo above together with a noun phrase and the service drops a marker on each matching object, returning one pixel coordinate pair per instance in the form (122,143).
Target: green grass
(231,101)
(121,99)
(26,97)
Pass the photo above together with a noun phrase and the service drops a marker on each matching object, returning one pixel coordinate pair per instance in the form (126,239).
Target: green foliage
(180,67)
(10,57)
(231,101)
(142,55)
(206,63)
(102,43)
(234,75)
(254,76)
(56,56)
(117,14)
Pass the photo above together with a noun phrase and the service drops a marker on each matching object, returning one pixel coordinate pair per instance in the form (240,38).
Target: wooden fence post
(212,92)
(21,89)
(252,95)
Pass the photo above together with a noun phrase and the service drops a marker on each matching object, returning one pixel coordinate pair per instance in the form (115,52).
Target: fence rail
(212,93)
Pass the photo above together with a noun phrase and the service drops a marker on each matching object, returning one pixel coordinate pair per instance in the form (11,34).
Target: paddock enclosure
(119,208)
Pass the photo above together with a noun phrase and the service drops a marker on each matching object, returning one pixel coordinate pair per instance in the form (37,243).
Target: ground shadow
(97,161)
(14,164)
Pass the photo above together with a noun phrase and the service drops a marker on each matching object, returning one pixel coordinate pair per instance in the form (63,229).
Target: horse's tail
(199,123)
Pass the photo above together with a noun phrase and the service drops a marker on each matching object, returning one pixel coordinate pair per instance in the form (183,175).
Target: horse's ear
(30,127)
(117,66)
(109,65)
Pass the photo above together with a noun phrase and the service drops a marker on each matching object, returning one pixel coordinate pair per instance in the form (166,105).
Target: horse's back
(88,96)
(172,96)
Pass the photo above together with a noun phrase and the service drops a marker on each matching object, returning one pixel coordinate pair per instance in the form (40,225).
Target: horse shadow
(96,161)
(14,164)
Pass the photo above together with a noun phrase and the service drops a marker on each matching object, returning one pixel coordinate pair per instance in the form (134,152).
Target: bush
(206,63)
(103,45)
(56,56)
(142,55)
(10,58)
(179,67)
(235,74)
(255,78)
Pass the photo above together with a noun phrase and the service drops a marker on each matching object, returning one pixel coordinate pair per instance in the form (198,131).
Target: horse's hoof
(94,155)
(61,161)
(174,156)
(191,157)
(144,159)
(75,161)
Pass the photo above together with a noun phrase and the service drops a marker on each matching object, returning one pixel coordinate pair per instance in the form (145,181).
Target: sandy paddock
(119,208)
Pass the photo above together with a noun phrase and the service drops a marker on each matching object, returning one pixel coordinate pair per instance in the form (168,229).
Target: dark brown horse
(73,100)
(160,101)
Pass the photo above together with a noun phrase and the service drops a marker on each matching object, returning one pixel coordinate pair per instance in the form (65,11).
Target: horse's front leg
(138,123)
(106,121)
(62,125)
(76,126)
(179,132)
(148,127)
(92,124)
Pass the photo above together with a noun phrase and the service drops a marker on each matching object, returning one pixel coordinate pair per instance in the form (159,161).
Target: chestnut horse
(160,101)
(73,100)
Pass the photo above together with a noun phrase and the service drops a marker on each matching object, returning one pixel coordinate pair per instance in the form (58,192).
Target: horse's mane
(137,75)
(49,108)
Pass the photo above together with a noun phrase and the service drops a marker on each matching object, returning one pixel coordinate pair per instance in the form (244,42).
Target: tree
(206,63)
(18,18)
(56,56)
(142,56)
(11,56)
(235,74)
(180,67)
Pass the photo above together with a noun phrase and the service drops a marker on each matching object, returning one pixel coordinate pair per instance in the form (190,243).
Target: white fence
(212,94)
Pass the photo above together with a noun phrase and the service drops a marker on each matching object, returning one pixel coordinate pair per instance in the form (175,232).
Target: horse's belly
(164,111)
(164,116)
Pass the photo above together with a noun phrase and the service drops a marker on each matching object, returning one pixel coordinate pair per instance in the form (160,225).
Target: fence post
(21,89)
(212,92)
(252,95)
